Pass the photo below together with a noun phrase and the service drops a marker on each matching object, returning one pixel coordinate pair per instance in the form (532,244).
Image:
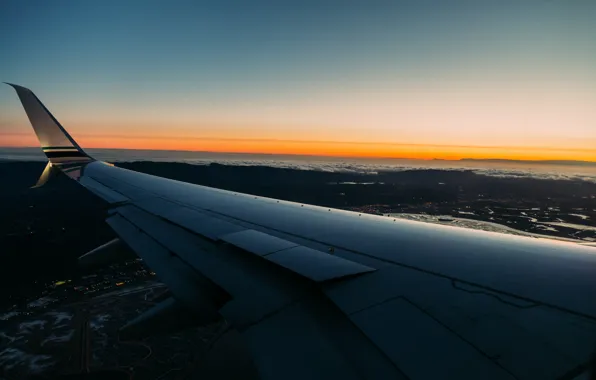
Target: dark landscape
(46,301)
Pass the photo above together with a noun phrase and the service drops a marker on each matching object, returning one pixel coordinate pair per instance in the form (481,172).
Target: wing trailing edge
(106,254)
(168,316)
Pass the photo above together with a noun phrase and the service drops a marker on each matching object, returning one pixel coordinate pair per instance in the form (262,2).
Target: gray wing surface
(319,292)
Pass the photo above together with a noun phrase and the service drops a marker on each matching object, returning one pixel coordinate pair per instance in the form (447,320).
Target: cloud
(327,164)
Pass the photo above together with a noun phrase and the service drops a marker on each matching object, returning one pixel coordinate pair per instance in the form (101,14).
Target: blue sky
(269,70)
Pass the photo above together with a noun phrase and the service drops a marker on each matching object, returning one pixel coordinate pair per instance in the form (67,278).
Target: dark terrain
(44,230)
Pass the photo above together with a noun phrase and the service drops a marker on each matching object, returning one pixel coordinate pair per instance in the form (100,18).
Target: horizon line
(335,156)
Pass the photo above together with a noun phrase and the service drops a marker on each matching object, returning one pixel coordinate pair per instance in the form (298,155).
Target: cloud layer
(326,164)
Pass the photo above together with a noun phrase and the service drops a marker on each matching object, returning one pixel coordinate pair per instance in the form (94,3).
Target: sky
(416,79)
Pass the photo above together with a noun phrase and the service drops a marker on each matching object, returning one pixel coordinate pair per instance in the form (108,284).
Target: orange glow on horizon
(530,119)
(320,148)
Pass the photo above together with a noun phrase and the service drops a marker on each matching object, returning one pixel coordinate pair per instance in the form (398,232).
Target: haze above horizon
(414,80)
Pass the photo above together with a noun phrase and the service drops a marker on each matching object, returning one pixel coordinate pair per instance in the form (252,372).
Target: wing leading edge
(320,292)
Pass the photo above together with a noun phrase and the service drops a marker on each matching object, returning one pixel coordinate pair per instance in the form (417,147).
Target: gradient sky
(421,79)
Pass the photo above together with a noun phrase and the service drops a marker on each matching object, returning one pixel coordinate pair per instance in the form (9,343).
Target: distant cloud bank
(496,168)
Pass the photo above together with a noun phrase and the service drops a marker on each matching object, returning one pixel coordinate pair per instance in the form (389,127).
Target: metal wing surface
(319,292)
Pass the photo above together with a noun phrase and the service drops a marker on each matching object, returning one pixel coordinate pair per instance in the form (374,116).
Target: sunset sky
(418,79)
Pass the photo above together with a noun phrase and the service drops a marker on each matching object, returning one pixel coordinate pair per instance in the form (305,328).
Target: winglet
(57,144)
(48,173)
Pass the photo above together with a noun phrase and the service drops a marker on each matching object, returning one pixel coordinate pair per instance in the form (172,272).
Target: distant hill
(534,162)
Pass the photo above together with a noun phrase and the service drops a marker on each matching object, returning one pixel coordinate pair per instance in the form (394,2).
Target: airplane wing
(323,293)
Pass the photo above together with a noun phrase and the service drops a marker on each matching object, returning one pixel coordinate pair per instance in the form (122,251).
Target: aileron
(316,265)
(257,242)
